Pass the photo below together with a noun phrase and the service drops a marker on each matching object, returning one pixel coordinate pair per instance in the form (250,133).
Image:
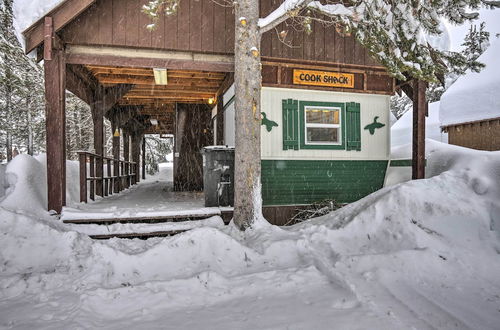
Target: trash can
(218,175)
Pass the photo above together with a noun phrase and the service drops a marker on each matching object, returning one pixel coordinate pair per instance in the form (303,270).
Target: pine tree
(79,127)
(21,93)
(475,43)
(156,151)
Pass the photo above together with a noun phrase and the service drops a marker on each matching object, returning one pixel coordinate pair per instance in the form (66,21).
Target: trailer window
(322,125)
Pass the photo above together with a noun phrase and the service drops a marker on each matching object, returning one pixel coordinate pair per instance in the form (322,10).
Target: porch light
(211,100)
(160,76)
(117,133)
(154,121)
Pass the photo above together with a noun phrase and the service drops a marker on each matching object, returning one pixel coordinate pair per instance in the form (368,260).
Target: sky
(492,19)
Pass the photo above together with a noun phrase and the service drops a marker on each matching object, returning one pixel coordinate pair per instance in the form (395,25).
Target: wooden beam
(62,15)
(76,85)
(109,60)
(55,86)
(419,113)
(106,70)
(149,81)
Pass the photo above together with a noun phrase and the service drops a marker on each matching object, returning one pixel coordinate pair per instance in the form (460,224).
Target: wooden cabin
(325,100)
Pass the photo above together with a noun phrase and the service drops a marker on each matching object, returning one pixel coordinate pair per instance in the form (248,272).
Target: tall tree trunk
(8,145)
(248,80)
(30,129)
(78,130)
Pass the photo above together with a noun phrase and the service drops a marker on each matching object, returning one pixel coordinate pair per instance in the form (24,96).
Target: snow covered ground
(422,254)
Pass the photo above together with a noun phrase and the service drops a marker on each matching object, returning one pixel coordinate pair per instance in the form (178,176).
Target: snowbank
(402,130)
(422,254)
(26,184)
(474,96)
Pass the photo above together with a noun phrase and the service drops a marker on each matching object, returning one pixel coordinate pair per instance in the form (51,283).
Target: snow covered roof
(401,131)
(27,12)
(474,96)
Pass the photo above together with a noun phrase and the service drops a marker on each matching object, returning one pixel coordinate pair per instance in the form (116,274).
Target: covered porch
(151,208)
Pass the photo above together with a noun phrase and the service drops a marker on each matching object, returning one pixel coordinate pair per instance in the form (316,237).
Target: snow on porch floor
(153,197)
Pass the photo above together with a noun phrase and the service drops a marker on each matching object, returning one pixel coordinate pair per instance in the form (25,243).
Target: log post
(116,156)
(419,114)
(144,158)
(55,103)
(248,82)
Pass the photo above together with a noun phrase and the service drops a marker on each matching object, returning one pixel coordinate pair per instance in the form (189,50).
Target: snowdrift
(25,184)
(422,254)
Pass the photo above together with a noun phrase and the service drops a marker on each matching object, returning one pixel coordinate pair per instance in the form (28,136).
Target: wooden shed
(480,134)
(325,100)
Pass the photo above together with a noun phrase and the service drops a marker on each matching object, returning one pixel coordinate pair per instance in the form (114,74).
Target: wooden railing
(104,180)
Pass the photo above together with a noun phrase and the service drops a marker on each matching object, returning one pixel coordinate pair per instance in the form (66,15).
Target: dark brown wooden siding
(484,135)
(205,26)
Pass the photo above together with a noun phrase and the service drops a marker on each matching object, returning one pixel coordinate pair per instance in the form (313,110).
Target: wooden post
(99,107)
(55,102)
(136,154)
(98,119)
(419,113)
(220,121)
(109,179)
(144,158)
(92,176)
(116,156)
(126,157)
(83,177)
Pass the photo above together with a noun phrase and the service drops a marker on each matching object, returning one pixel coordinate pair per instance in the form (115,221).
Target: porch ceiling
(157,101)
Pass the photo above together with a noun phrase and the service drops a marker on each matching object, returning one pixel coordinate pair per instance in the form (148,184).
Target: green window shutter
(353,126)
(290,124)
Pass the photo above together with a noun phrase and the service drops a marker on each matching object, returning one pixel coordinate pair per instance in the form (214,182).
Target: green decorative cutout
(373,126)
(268,123)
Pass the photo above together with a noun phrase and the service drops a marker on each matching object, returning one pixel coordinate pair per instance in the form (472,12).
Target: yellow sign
(323,78)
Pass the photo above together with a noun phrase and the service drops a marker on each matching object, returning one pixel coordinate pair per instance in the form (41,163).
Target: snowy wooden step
(171,217)
(143,230)
(138,235)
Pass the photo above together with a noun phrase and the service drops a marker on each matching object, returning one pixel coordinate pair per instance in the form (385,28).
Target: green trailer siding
(288,182)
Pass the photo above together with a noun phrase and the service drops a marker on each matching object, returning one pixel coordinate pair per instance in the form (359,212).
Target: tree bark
(8,145)
(248,80)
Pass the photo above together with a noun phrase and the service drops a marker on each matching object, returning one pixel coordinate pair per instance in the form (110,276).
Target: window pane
(322,116)
(322,135)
